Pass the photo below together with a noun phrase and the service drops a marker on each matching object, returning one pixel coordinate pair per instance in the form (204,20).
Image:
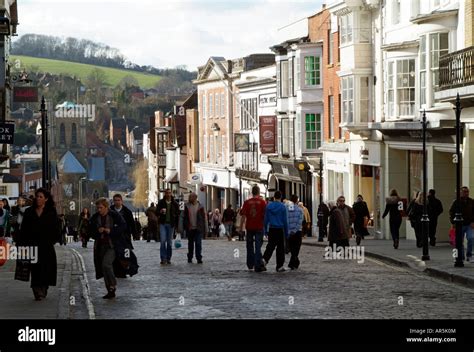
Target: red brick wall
(319,29)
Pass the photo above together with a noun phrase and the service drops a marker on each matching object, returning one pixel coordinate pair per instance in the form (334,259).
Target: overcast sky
(169,33)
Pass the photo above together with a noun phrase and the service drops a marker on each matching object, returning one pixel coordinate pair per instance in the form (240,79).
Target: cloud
(168,33)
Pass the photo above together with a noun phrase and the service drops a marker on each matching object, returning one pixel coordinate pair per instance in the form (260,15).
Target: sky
(172,32)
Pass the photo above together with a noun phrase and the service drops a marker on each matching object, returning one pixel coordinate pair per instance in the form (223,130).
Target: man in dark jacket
(435,209)
(193,221)
(168,218)
(323,220)
(275,223)
(127,216)
(467,210)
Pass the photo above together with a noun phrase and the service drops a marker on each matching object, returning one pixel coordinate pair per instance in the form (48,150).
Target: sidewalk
(17,301)
(440,265)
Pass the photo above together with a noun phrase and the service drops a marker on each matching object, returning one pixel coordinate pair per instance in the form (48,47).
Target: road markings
(85,285)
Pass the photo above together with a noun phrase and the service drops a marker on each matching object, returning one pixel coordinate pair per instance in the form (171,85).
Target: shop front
(336,175)
(365,162)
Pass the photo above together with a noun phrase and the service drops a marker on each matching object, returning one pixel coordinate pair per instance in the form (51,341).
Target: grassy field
(82,70)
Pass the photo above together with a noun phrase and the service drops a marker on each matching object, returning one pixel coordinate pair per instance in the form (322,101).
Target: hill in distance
(113,75)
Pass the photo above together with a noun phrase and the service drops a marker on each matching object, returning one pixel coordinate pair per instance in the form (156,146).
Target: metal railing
(456,69)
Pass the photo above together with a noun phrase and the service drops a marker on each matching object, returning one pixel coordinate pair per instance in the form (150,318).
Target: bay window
(346,28)
(401,88)
(348,99)
(312,66)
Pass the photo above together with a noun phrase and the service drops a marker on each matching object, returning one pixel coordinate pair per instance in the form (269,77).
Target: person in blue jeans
(168,218)
(193,221)
(467,211)
(253,212)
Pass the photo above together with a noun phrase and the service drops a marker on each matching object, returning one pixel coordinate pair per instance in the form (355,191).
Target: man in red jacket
(253,212)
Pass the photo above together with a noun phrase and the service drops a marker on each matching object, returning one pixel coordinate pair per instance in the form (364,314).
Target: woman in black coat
(392,207)
(40,228)
(108,227)
(361,212)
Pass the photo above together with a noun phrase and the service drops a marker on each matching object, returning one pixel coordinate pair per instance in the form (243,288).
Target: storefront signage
(365,153)
(338,162)
(25,94)
(268,134)
(7,132)
(242,142)
(265,100)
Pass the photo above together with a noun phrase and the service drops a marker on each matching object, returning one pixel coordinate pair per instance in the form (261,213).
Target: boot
(395,244)
(110,294)
(358,239)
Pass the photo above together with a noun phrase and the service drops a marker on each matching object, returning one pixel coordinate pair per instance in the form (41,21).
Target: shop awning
(285,170)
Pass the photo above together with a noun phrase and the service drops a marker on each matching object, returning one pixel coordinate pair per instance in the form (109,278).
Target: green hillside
(114,76)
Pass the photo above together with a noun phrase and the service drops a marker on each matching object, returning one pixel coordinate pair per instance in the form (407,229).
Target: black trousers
(294,242)
(276,238)
(432,229)
(395,229)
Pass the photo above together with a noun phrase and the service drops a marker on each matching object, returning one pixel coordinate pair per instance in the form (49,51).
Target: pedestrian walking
(467,211)
(216,221)
(17,213)
(5,218)
(337,236)
(167,212)
(415,215)
(193,222)
(127,215)
(393,207)
(253,212)
(362,216)
(323,221)
(295,230)
(276,225)
(239,224)
(306,229)
(152,223)
(348,215)
(109,230)
(435,209)
(64,230)
(228,218)
(40,228)
(84,227)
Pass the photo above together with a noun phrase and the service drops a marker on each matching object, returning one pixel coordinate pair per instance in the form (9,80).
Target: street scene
(237,160)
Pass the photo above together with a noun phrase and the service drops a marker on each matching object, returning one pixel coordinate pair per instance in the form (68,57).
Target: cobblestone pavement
(223,288)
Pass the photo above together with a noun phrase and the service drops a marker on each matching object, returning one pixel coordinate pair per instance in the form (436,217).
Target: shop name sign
(267,100)
(364,153)
(7,132)
(25,94)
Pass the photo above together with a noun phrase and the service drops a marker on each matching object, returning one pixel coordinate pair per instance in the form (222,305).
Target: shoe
(199,261)
(163,262)
(320,240)
(395,244)
(110,294)
(281,269)
(469,259)
(358,239)
(190,261)
(168,262)
(250,267)
(433,243)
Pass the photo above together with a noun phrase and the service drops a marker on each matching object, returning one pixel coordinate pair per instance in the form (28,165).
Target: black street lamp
(458,219)
(425,221)
(44,145)
(321,228)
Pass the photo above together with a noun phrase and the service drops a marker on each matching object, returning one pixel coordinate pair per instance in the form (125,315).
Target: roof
(70,165)
(96,169)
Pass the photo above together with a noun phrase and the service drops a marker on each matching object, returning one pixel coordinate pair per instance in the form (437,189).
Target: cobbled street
(223,288)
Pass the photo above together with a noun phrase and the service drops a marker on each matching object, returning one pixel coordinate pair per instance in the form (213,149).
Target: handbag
(452,236)
(22,270)
(3,257)
(366,221)
(177,241)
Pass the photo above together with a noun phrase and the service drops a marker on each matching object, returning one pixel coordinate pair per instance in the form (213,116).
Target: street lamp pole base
(425,257)
(458,264)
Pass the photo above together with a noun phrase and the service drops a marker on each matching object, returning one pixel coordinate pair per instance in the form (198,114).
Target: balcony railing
(456,69)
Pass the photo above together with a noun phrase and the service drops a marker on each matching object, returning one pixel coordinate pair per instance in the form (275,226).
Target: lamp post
(425,221)
(321,228)
(44,144)
(458,219)
(80,193)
